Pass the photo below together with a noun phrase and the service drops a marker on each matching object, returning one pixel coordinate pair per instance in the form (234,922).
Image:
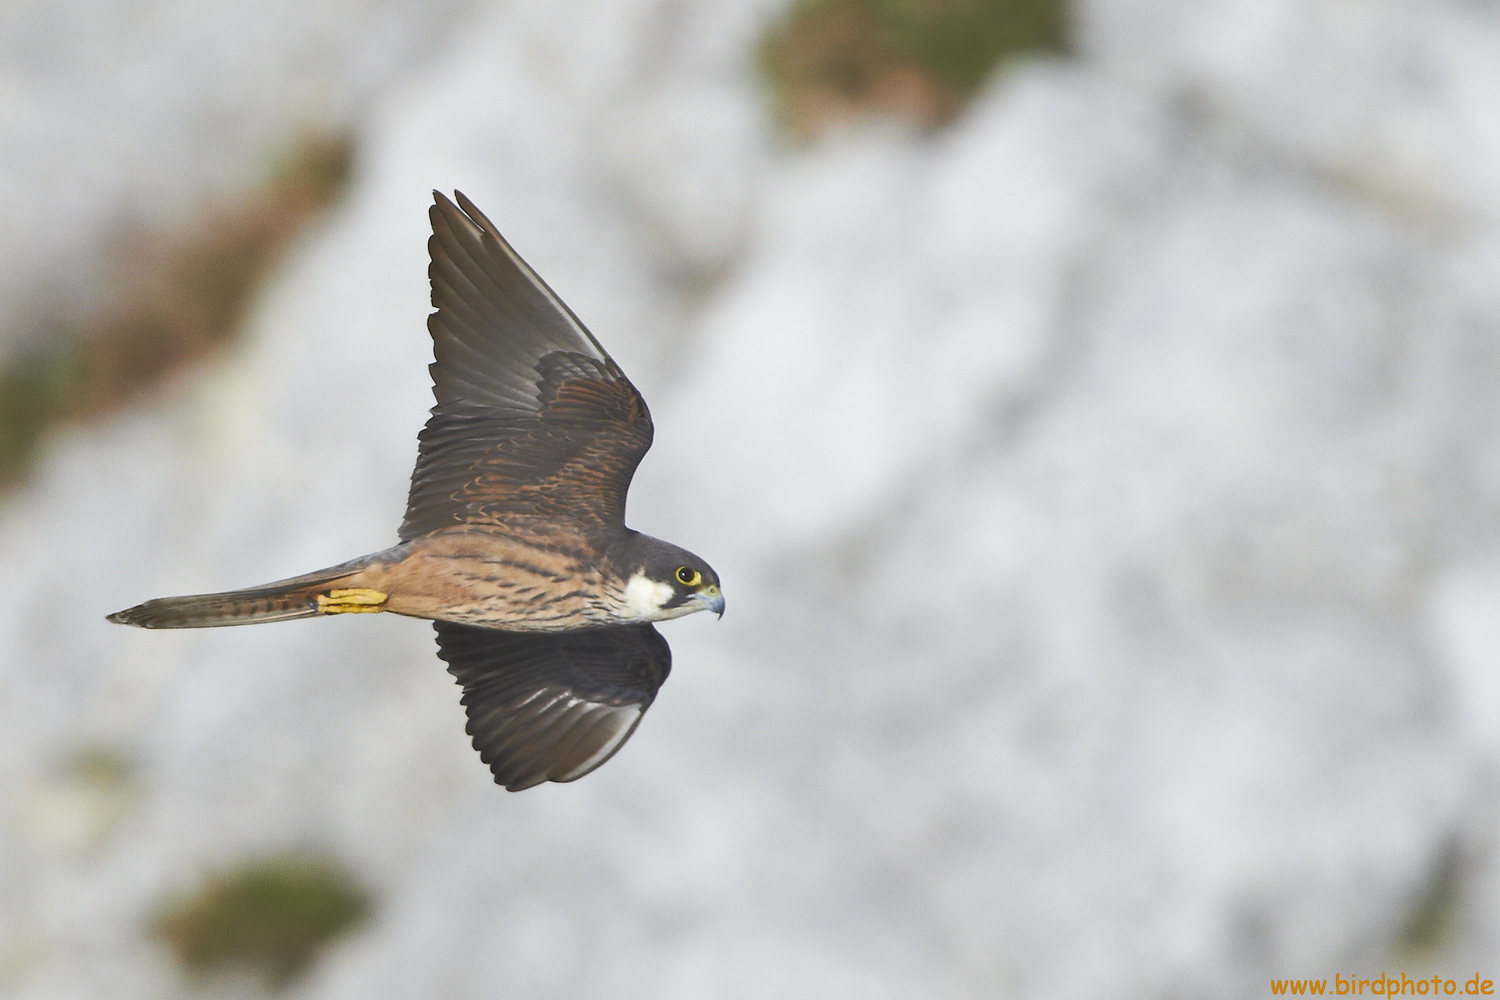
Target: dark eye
(688,577)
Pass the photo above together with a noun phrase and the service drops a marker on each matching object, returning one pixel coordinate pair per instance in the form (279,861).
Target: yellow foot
(356,601)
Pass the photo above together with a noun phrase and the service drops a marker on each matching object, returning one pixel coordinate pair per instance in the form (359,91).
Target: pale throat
(644,598)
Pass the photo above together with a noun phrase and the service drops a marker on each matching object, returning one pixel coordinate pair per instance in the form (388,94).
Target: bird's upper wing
(552,706)
(533,417)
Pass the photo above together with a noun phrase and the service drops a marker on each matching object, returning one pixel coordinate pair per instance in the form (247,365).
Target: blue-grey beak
(713,600)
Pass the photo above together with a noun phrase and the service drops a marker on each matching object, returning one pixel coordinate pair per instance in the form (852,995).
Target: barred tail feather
(240,607)
(283,600)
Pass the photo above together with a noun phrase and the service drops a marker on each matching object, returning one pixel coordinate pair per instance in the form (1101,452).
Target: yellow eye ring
(688,577)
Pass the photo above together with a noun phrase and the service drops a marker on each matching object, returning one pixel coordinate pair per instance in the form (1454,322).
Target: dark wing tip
(473,212)
(553,706)
(574,742)
(465,213)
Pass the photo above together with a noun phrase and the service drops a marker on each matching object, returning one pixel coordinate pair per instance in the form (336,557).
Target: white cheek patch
(645,597)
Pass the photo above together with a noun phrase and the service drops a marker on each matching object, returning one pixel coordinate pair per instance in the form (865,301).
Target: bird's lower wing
(553,706)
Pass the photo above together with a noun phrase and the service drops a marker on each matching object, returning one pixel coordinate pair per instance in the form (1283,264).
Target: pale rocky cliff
(1105,491)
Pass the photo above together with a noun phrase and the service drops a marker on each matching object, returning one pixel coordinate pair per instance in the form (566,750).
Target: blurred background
(1091,408)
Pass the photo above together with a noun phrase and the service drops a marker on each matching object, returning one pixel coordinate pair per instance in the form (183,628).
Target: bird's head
(666,581)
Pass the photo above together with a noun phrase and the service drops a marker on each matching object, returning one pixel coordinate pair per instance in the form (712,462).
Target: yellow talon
(358,600)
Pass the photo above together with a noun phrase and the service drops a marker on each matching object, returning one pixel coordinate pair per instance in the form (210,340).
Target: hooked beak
(713,600)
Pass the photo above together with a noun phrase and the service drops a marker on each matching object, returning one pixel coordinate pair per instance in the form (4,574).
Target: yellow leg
(356,601)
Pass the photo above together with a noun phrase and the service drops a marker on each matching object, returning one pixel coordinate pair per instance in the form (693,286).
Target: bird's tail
(298,597)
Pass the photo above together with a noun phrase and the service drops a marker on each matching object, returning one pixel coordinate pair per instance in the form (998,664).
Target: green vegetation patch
(32,394)
(920,60)
(100,765)
(186,296)
(1435,912)
(269,917)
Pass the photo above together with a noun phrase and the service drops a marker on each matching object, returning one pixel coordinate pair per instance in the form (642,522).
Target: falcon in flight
(514,541)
